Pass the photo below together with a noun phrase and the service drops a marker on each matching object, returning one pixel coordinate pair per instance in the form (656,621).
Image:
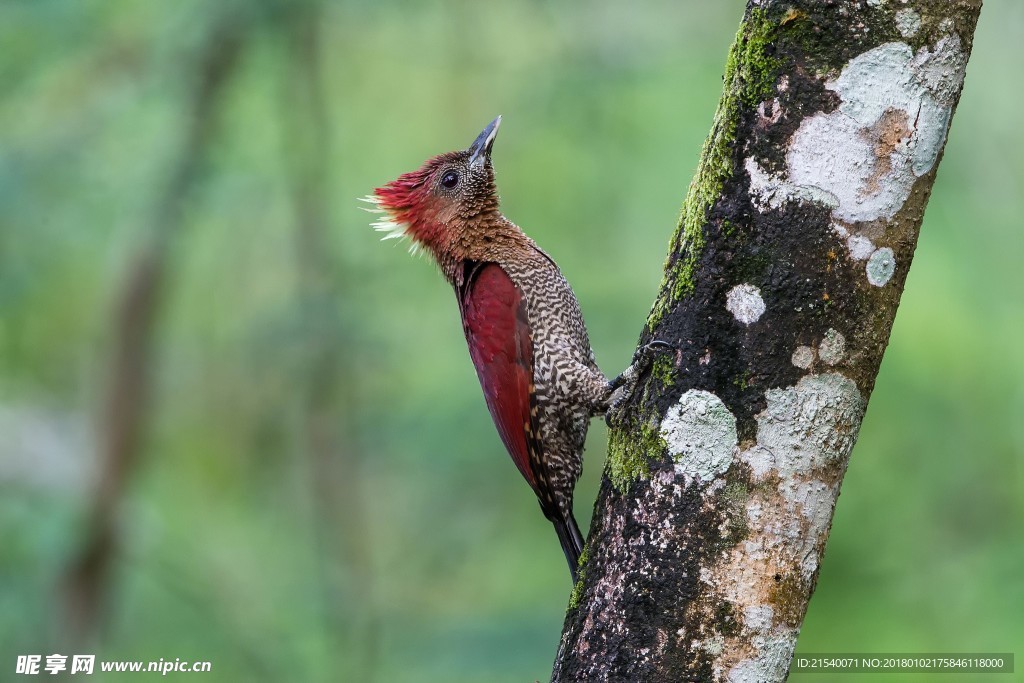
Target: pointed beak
(480,150)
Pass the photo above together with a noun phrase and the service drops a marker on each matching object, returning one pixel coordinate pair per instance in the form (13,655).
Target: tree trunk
(780,290)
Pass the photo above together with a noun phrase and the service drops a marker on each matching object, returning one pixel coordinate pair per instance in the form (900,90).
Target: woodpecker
(521,319)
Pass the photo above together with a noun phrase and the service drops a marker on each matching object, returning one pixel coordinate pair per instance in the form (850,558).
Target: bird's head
(440,204)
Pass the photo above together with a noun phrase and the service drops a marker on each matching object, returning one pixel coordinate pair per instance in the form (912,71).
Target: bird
(522,322)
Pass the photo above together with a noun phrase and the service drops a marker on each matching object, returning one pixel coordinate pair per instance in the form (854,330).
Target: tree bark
(782,282)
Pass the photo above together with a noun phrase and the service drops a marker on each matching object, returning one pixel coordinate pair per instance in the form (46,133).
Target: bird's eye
(450,179)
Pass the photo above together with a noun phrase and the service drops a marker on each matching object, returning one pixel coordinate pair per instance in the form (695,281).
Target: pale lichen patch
(804,433)
(941,70)
(811,424)
(814,500)
(700,432)
(774,653)
(908,22)
(863,159)
(761,463)
(881,266)
(713,645)
(860,247)
(745,303)
(769,192)
(758,617)
(832,347)
(803,357)
(887,131)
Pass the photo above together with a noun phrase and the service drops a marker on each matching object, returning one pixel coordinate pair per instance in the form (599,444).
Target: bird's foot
(623,385)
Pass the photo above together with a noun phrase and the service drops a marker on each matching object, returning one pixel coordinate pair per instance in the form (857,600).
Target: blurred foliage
(605,105)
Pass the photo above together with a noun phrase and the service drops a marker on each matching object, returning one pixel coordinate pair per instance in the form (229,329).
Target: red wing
(498,332)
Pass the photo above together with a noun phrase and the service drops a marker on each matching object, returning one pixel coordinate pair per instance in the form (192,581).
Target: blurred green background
(318,493)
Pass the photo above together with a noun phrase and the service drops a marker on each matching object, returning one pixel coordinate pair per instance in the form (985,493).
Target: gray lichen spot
(803,357)
(832,347)
(810,425)
(815,500)
(860,247)
(700,432)
(908,22)
(876,3)
(713,645)
(758,617)
(810,495)
(745,303)
(866,155)
(804,432)
(760,460)
(941,71)
(774,653)
(881,266)
(770,192)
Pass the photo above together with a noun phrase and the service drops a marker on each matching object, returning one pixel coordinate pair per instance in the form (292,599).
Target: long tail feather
(572,542)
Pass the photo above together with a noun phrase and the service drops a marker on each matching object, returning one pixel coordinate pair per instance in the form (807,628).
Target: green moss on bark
(577,589)
(664,368)
(629,453)
(750,75)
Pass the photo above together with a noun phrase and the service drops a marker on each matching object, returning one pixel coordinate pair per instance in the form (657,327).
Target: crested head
(439,205)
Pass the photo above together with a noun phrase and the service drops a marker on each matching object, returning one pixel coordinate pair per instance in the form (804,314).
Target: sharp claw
(659,344)
(650,348)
